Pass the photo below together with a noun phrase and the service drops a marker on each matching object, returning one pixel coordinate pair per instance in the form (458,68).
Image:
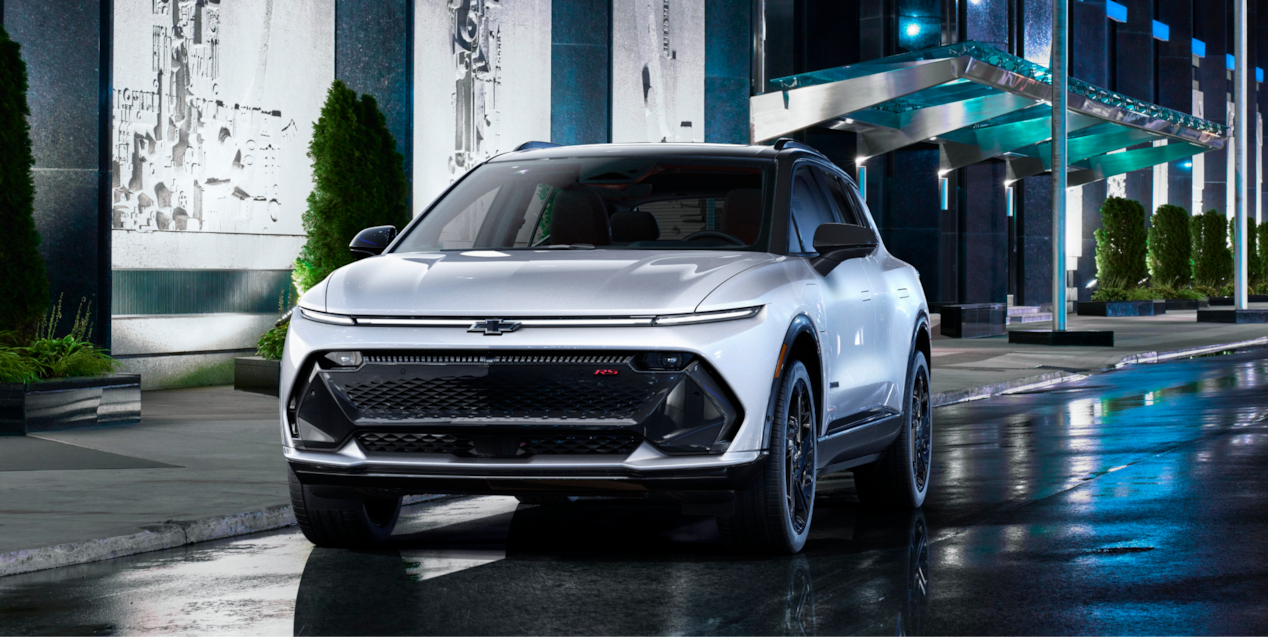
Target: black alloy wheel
(799,456)
(921,435)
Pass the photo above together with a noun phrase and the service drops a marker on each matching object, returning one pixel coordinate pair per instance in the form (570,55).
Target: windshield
(646,203)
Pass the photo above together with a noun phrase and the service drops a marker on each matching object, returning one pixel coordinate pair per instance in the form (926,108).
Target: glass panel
(641,202)
(810,207)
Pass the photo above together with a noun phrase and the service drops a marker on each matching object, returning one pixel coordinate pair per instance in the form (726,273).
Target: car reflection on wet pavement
(1130,502)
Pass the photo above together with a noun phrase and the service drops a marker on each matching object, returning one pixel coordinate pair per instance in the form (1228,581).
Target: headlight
(707,317)
(322,317)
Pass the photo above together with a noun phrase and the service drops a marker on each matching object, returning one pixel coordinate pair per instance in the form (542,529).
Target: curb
(1158,357)
(156,537)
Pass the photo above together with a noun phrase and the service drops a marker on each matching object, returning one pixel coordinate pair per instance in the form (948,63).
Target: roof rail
(788,143)
(534,145)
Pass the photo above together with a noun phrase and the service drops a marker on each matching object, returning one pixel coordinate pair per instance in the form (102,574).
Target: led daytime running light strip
(634,321)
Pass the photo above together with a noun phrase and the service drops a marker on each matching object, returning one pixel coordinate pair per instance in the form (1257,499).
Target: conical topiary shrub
(1170,247)
(1120,244)
(1212,259)
(23,285)
(358,182)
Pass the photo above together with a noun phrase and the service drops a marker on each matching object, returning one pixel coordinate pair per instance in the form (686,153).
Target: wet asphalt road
(1127,503)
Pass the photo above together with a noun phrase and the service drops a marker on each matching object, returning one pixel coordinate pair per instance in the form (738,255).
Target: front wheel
(343,522)
(772,515)
(900,478)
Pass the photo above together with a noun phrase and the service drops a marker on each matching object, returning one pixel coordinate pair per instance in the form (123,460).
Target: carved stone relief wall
(214,102)
(482,85)
(658,71)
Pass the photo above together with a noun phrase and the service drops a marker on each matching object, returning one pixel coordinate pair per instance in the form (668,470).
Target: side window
(846,204)
(810,208)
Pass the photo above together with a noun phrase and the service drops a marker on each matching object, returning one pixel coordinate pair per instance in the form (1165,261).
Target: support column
(1060,103)
(1241,130)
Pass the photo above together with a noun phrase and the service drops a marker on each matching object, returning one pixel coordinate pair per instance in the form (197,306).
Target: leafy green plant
(70,355)
(358,182)
(1170,247)
(1109,294)
(272,343)
(1144,294)
(22,277)
(50,356)
(1212,259)
(1120,242)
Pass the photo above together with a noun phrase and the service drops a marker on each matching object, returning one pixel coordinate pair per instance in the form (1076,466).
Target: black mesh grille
(523,445)
(416,443)
(527,397)
(580,444)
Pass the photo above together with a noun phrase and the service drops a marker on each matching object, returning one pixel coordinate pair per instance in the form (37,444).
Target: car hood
(522,283)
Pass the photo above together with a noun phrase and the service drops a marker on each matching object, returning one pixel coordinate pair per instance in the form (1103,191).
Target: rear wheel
(772,515)
(901,477)
(343,522)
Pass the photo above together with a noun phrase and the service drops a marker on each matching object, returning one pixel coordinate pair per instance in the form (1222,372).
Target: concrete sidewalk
(206,463)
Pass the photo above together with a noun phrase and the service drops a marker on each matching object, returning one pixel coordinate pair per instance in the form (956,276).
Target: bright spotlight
(913,29)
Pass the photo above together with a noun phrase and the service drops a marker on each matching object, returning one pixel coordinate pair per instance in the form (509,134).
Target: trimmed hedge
(1212,259)
(22,277)
(1170,247)
(1120,244)
(358,182)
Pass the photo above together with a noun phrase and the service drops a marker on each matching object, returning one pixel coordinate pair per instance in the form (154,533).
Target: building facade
(170,136)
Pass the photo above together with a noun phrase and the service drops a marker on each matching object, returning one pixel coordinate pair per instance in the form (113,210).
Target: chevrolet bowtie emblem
(494,327)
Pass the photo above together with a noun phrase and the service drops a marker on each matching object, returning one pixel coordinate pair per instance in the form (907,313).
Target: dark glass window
(847,207)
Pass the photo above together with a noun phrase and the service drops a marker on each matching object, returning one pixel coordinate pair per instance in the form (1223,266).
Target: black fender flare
(922,323)
(801,324)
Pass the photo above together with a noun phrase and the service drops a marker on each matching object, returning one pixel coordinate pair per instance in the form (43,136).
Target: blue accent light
(1231,61)
(1187,164)
(1115,11)
(1199,48)
(1259,74)
(1162,31)
(913,29)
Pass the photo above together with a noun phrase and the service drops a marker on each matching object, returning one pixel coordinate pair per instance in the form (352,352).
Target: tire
(546,499)
(771,515)
(352,522)
(901,477)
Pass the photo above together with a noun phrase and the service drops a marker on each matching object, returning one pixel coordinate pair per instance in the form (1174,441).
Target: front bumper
(645,470)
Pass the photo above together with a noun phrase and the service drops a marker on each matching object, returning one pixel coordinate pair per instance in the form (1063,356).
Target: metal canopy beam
(1109,165)
(920,125)
(972,145)
(978,103)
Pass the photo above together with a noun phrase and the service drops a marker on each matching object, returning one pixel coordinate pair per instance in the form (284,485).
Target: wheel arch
(801,342)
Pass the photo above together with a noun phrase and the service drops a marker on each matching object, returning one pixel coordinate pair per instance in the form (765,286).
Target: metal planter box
(69,403)
(257,375)
(1187,304)
(977,320)
(1121,308)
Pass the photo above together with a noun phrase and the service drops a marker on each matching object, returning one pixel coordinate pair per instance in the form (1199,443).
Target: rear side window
(810,209)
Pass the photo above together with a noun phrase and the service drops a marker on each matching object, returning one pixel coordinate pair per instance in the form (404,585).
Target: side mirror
(837,242)
(372,241)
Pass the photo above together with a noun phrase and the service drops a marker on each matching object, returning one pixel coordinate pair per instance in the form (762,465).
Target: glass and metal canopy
(977,103)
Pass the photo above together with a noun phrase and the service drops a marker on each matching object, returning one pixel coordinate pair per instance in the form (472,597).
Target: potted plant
(358,182)
(1121,264)
(49,382)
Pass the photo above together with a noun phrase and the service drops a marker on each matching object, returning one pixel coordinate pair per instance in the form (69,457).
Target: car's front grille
(580,444)
(519,397)
(500,445)
(416,443)
(503,359)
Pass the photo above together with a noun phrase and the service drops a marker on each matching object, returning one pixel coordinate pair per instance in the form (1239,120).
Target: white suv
(717,324)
